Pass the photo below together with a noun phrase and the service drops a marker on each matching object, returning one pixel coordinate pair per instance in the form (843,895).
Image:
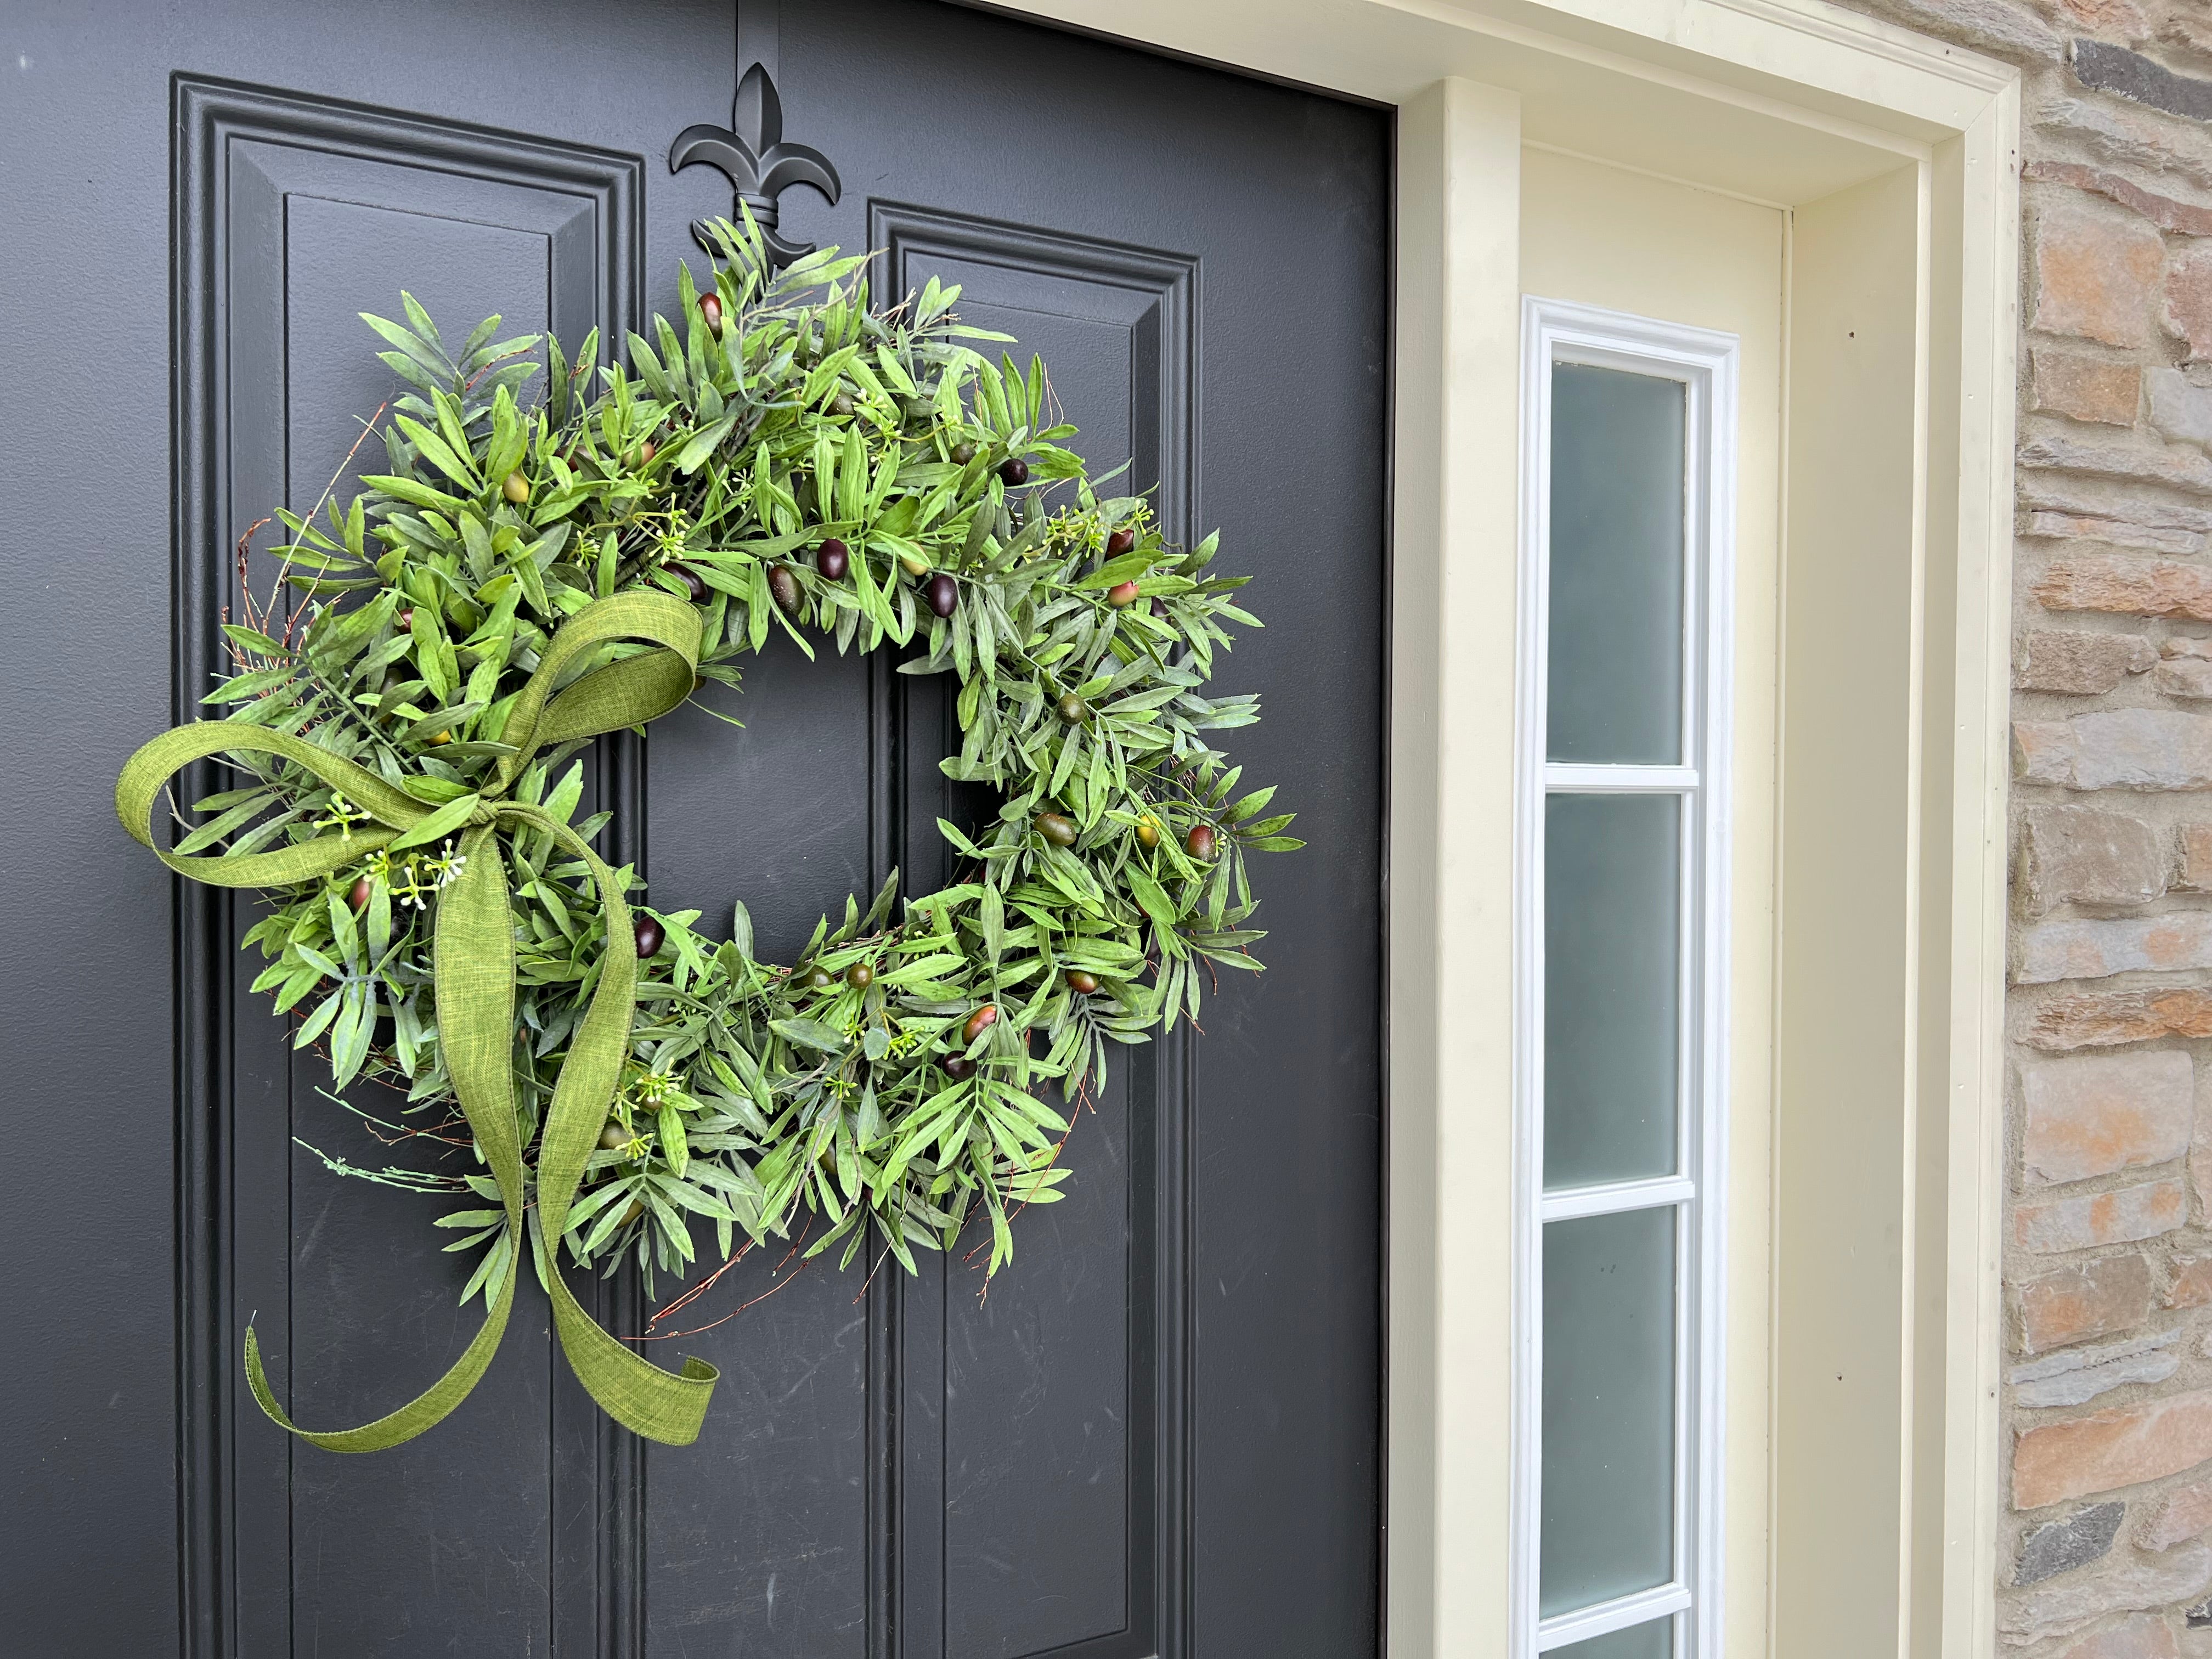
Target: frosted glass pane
(1616,566)
(1608,1480)
(1612,933)
(1653,1641)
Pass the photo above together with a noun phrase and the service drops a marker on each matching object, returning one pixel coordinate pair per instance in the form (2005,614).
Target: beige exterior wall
(2108,1466)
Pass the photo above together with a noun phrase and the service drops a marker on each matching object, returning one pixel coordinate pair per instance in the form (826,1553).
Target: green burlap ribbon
(474,977)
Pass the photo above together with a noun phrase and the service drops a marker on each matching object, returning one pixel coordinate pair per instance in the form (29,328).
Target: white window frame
(1705,361)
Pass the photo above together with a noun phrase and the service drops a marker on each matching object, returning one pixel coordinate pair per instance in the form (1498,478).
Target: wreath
(403,736)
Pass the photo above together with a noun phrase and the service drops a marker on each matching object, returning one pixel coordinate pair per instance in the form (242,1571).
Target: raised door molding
(1098,302)
(285,206)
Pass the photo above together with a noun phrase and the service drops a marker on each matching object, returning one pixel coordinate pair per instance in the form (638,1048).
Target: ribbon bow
(473,972)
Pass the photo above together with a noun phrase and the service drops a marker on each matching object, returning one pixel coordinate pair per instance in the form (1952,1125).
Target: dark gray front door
(1160,1434)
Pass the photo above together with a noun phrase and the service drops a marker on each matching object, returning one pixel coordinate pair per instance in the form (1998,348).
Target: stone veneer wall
(2106,1551)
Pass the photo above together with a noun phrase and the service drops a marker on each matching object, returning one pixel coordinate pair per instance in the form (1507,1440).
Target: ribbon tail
(665,1406)
(428,1409)
(474,970)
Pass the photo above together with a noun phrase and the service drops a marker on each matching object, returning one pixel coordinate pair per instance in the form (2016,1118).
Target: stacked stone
(2108,1549)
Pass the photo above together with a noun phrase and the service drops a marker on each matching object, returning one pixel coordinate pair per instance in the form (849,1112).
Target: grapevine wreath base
(403,733)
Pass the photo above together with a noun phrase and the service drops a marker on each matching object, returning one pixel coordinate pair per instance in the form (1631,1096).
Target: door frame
(1894,158)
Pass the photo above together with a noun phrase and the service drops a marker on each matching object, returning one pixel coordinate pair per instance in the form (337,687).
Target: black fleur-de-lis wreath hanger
(751,154)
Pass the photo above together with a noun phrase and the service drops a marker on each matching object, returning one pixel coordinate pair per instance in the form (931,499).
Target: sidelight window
(1627,482)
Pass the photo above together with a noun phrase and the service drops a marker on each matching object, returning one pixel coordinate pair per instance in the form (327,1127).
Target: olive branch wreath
(405,746)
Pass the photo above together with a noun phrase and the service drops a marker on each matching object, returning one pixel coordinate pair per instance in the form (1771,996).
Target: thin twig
(652,1335)
(284,569)
(882,1256)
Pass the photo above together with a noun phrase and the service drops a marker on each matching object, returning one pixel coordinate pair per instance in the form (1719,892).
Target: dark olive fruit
(859,976)
(959,1069)
(614,1137)
(1121,593)
(405,619)
(1014,471)
(841,403)
(516,489)
(833,559)
(783,589)
(650,936)
(694,584)
(819,978)
(357,894)
(1119,542)
(1148,832)
(963,453)
(1056,828)
(944,594)
(978,1023)
(710,308)
(1199,842)
(1071,709)
(1079,980)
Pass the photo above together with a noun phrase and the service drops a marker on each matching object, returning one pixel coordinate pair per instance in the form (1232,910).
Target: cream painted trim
(1452,648)
(1859,35)
(1642,83)
(1454,14)
(1982,327)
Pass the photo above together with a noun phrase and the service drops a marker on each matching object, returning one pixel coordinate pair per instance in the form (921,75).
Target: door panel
(1025,1425)
(1036,1460)
(309,238)
(1157,1433)
(297,213)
